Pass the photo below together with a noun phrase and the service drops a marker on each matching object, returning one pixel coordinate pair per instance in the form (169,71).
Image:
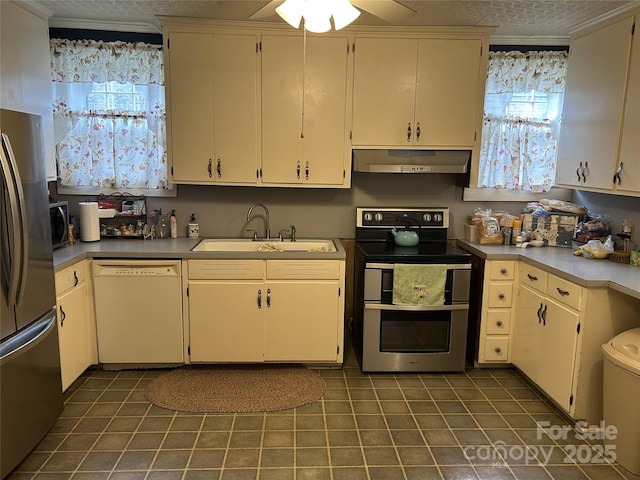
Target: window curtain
(109,137)
(519,153)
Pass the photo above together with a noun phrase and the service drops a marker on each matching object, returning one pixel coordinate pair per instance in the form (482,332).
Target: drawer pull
(75,279)
(259,298)
(268,298)
(544,316)
(533,278)
(504,271)
(63,316)
(499,323)
(539,313)
(562,292)
(501,296)
(498,350)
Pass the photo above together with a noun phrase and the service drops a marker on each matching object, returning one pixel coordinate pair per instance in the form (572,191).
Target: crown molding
(594,22)
(35,7)
(529,40)
(104,25)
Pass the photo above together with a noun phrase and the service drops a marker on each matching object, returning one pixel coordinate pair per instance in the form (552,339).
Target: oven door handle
(389,266)
(424,308)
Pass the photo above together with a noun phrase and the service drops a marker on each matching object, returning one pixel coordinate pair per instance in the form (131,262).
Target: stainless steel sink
(248,245)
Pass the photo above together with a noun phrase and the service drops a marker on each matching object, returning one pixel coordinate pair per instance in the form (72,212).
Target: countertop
(560,261)
(171,248)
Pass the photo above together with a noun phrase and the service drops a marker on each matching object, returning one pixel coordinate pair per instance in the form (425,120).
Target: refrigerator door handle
(15,245)
(27,339)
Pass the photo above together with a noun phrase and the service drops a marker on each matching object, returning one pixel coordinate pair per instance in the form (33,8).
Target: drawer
(500,295)
(496,349)
(71,276)
(533,277)
(502,270)
(226,269)
(498,322)
(302,269)
(564,291)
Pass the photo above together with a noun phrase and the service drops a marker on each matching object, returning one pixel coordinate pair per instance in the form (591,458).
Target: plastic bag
(596,248)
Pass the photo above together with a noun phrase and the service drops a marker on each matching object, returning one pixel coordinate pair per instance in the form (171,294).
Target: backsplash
(222,210)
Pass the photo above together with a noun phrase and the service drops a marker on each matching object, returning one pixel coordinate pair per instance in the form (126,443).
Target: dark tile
(390,394)
(95,461)
(443,394)
(309,422)
(386,473)
(346,457)
(188,424)
(124,424)
(414,456)
(458,473)
(368,422)
(278,439)
(239,474)
(63,461)
(50,442)
(471,437)
(277,457)
(450,406)
(91,425)
(393,407)
(519,420)
(431,421)
(422,406)
(133,409)
(350,473)
(75,409)
(503,436)
(345,438)
(168,459)
(278,422)
(139,475)
(165,475)
(362,394)
(416,394)
(155,424)
(375,438)
(179,440)
(91,475)
(400,422)
(470,394)
(311,457)
(422,473)
(335,394)
(455,420)
(207,458)
(439,437)
(136,460)
(210,474)
(339,407)
(381,456)
(276,474)
(217,422)
(407,438)
(449,456)
(340,422)
(602,472)
(487,420)
(566,472)
(78,441)
(110,396)
(313,474)
(311,438)
(496,394)
(245,440)
(494,473)
(242,457)
(530,472)
(33,462)
(365,407)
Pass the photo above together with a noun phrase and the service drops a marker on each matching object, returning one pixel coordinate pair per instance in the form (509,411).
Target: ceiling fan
(388,10)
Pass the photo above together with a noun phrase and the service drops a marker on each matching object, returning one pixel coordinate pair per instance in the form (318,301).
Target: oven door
(400,338)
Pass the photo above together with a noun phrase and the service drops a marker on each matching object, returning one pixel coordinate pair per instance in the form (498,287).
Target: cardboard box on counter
(556,230)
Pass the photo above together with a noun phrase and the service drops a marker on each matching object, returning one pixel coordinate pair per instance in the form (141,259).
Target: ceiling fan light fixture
(291,11)
(344,13)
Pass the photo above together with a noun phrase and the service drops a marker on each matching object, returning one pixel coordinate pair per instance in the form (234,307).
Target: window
(523,107)
(109,114)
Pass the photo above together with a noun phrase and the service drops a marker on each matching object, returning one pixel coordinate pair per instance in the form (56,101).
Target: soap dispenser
(193,227)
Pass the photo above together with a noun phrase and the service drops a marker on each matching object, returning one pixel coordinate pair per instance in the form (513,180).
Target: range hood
(410,161)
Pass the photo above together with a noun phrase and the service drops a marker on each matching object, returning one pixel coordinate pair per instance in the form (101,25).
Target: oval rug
(236,388)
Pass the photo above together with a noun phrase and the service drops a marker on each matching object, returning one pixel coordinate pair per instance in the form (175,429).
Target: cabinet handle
(259,299)
(533,278)
(408,132)
(503,271)
(539,313)
(210,168)
(63,316)
(298,170)
(499,323)
(585,169)
(306,170)
(418,131)
(501,296)
(617,174)
(268,298)
(219,169)
(562,292)
(75,279)
(498,350)
(544,316)
(578,170)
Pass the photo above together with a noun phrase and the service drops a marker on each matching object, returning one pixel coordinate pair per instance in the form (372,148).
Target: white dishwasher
(138,311)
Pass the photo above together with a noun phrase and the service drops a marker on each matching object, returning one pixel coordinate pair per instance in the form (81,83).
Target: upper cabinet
(25,69)
(212,92)
(599,148)
(305,96)
(425,92)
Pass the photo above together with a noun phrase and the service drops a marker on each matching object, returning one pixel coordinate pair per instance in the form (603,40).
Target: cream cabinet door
(629,160)
(226,321)
(302,321)
(77,344)
(384,91)
(304,98)
(213,108)
(190,106)
(446,104)
(593,107)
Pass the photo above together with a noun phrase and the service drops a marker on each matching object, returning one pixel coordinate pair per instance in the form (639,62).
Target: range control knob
(368,217)
(378,217)
(427,217)
(438,217)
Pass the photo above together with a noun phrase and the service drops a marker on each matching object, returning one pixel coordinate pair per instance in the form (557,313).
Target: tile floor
(480,424)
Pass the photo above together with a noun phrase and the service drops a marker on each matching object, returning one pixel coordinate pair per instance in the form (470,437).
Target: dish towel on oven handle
(419,284)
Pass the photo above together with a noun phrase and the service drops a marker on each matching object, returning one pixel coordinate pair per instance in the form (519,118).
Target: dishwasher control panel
(140,268)
(146,271)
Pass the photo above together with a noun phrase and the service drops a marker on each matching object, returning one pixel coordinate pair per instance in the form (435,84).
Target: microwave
(59,213)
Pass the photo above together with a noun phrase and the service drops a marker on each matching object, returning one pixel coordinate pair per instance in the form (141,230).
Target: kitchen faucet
(267,233)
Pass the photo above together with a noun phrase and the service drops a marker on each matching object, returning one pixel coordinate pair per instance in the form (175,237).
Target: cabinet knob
(578,171)
(501,296)
(75,279)
(498,350)
(533,278)
(210,168)
(408,133)
(499,323)
(585,170)
(616,176)
(306,171)
(298,167)
(259,298)
(268,298)
(504,271)
(563,293)
(418,131)
(219,168)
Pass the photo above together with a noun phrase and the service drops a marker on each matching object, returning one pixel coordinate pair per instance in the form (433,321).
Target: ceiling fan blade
(388,10)
(268,10)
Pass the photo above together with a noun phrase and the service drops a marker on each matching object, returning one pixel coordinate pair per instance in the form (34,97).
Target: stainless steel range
(401,337)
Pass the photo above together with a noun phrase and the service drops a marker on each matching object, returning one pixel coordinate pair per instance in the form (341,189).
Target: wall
(222,210)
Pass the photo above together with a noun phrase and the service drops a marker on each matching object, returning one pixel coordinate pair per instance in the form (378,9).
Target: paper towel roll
(89,222)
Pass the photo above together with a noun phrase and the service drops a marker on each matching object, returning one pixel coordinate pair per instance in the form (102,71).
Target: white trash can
(621,384)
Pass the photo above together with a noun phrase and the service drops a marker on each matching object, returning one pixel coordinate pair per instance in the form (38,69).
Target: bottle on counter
(516,229)
(193,227)
(173,222)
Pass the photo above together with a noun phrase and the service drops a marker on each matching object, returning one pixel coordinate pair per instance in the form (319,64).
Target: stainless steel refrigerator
(30,386)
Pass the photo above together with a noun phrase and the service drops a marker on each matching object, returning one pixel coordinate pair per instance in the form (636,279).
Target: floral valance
(520,72)
(74,61)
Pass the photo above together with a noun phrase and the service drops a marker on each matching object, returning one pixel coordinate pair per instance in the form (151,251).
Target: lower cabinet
(76,322)
(265,310)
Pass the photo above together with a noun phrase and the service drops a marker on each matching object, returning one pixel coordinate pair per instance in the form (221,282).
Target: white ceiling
(545,21)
